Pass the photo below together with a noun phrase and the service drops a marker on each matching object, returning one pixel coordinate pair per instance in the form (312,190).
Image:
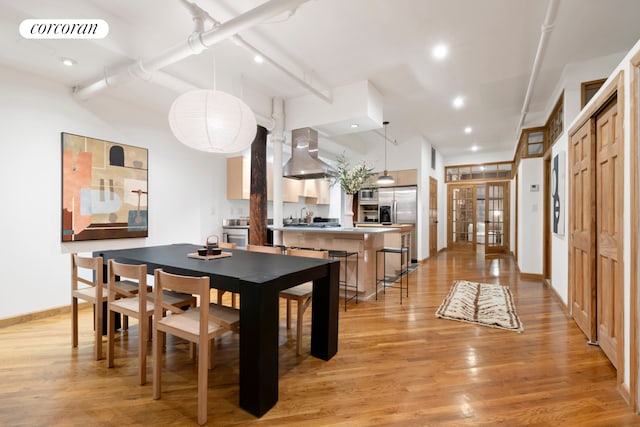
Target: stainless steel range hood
(304,162)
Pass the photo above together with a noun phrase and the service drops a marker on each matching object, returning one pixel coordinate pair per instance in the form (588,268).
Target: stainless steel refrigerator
(399,205)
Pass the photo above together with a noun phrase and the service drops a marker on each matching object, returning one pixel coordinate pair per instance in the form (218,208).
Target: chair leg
(288,313)
(111,317)
(74,322)
(98,329)
(203,376)
(158,339)
(299,327)
(125,323)
(233,299)
(142,348)
(212,352)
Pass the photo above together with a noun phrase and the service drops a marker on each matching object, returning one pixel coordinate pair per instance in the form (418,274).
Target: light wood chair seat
(194,325)
(176,298)
(227,316)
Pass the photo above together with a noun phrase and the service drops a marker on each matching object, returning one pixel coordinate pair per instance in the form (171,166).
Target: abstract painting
(557,193)
(104,189)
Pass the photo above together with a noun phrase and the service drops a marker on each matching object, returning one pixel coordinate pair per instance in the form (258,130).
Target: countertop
(402,227)
(337,230)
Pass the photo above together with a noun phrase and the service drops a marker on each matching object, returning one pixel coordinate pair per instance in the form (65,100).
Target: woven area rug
(482,304)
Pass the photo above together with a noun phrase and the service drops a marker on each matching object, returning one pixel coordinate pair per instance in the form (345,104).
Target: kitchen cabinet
(400,177)
(317,189)
(239,181)
(238,178)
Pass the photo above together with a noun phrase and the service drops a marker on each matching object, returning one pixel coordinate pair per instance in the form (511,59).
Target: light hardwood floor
(396,365)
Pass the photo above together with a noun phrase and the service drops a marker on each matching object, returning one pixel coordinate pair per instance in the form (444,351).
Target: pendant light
(212,121)
(385,179)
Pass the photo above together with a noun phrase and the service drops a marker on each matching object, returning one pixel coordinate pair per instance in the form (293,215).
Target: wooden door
(582,290)
(433,216)
(496,217)
(461,221)
(609,280)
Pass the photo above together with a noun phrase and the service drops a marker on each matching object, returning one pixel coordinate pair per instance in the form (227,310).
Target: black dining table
(258,278)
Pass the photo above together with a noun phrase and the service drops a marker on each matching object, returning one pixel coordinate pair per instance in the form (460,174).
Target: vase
(347,218)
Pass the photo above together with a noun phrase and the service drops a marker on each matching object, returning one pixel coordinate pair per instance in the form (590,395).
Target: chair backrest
(94,264)
(309,253)
(265,249)
(227,245)
(198,286)
(127,271)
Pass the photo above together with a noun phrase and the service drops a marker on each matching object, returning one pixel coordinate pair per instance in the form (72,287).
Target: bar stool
(388,281)
(344,256)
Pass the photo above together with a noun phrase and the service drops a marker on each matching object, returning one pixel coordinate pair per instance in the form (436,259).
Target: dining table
(258,278)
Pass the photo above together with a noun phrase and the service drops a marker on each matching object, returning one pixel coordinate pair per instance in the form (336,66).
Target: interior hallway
(396,365)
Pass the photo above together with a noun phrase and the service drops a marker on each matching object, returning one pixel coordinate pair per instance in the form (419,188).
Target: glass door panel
(462,216)
(496,217)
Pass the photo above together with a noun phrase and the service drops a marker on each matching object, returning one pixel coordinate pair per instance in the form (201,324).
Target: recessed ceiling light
(474,148)
(458,102)
(440,51)
(468,129)
(258,59)
(68,61)
(354,126)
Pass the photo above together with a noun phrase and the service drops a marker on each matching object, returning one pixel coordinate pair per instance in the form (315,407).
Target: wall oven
(368,195)
(236,234)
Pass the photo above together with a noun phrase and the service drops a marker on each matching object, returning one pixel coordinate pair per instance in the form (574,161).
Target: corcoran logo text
(64,29)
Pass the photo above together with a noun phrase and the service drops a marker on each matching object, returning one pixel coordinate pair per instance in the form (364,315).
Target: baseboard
(624,392)
(530,276)
(9,321)
(558,298)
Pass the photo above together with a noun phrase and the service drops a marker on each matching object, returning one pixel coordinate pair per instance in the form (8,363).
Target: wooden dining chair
(138,305)
(94,292)
(301,294)
(194,325)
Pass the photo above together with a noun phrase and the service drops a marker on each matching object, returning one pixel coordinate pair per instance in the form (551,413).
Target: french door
(496,217)
(461,217)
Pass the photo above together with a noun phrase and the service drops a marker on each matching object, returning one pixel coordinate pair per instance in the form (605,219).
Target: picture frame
(104,189)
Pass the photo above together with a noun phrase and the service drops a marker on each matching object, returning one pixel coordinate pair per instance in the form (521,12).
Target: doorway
(478,217)
(433,216)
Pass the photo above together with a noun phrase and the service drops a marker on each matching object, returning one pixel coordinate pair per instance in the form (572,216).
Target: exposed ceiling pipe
(198,11)
(545,34)
(196,43)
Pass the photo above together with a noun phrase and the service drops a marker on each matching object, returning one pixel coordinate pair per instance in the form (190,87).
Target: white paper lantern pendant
(212,121)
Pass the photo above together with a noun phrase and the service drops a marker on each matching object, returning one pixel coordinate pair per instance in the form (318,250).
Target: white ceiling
(332,43)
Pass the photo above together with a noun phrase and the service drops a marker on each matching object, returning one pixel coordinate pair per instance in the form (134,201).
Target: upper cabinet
(239,184)
(238,178)
(400,177)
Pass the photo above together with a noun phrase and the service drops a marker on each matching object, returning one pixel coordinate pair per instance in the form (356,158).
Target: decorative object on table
(482,304)
(104,189)
(212,245)
(212,121)
(385,179)
(217,253)
(351,180)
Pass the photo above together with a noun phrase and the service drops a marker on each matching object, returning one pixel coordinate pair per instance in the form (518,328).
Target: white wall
(530,211)
(185,186)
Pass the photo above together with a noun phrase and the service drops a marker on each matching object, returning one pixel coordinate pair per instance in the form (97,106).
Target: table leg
(258,348)
(324,314)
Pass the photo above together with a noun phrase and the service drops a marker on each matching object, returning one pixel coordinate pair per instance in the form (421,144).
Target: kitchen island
(364,241)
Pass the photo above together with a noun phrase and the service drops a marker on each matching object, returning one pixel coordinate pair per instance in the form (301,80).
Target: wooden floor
(396,365)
